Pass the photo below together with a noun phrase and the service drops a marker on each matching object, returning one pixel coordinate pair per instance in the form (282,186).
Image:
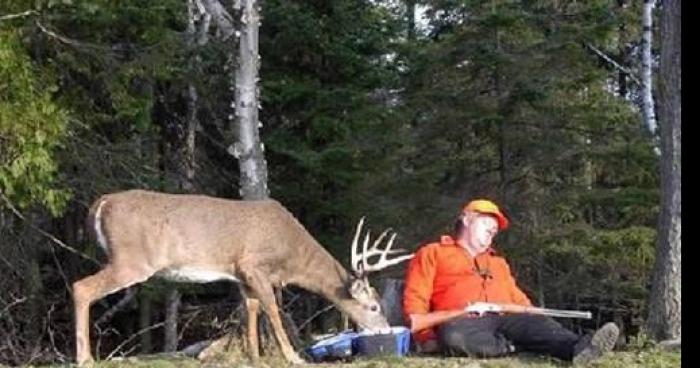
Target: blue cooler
(337,347)
(394,342)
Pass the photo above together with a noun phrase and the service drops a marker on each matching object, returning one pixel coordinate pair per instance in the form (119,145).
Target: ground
(647,357)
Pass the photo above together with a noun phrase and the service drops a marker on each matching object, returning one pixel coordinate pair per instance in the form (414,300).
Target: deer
(198,238)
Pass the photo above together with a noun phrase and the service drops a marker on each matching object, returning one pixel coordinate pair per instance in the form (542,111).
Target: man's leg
(474,337)
(538,334)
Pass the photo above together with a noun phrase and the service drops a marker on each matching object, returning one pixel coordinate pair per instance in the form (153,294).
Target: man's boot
(591,347)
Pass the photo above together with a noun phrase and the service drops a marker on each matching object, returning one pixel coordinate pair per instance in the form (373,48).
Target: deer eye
(374,308)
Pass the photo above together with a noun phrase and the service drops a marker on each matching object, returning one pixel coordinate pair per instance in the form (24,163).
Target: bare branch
(222,18)
(308,320)
(10,305)
(106,316)
(614,63)
(72,42)
(17,15)
(46,234)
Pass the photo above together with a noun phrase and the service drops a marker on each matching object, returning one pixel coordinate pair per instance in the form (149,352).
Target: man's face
(479,232)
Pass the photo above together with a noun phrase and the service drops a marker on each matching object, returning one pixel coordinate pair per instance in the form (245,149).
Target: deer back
(175,230)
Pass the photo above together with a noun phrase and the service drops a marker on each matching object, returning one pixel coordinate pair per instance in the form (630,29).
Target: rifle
(481,308)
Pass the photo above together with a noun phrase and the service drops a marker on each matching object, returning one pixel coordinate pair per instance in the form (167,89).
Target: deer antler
(359,261)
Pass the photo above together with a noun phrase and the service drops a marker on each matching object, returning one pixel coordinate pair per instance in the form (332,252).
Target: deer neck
(327,278)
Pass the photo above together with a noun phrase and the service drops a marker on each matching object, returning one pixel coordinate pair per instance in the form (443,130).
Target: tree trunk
(186,184)
(249,149)
(664,320)
(172,306)
(411,19)
(186,159)
(146,337)
(647,97)
(37,302)
(624,51)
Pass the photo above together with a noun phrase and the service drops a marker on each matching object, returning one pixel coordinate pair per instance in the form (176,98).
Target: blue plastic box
(345,345)
(337,347)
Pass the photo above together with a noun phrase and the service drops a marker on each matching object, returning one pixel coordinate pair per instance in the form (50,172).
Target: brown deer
(202,239)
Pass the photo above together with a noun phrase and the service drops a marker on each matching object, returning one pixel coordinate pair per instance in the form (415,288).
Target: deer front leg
(262,288)
(253,308)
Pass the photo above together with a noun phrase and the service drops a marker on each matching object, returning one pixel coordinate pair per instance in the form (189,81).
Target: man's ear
(465,219)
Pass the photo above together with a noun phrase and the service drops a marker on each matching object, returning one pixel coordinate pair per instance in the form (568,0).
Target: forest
(566,113)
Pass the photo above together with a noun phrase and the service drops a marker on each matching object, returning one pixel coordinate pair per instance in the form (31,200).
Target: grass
(644,357)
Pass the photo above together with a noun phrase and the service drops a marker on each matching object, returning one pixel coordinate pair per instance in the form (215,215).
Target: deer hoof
(87,361)
(295,359)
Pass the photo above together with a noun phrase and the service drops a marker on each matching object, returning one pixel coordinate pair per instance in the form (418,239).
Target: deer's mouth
(374,328)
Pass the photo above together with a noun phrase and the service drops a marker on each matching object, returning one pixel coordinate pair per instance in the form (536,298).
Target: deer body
(202,239)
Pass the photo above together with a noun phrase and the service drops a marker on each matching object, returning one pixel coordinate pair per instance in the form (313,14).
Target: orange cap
(488,207)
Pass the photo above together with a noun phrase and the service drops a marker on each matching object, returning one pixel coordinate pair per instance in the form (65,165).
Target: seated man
(445,277)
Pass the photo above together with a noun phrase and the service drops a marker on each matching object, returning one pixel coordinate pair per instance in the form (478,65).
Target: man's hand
(481,308)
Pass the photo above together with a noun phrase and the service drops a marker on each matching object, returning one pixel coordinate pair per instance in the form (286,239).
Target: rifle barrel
(563,313)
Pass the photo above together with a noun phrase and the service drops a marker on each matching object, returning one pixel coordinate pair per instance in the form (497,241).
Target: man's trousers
(498,335)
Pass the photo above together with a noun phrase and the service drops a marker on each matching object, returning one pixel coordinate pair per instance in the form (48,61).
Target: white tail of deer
(202,239)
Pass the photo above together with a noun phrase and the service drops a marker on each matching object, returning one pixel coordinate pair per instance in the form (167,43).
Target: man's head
(478,223)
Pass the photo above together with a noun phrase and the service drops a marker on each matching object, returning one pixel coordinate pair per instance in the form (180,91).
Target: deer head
(360,288)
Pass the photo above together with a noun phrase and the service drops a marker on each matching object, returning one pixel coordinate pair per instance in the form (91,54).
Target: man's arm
(421,321)
(419,286)
(516,294)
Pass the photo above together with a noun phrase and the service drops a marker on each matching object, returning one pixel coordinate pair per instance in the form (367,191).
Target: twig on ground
(138,333)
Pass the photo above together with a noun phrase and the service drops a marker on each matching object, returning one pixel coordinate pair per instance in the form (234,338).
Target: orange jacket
(444,276)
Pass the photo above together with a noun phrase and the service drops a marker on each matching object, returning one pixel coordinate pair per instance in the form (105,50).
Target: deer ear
(358,288)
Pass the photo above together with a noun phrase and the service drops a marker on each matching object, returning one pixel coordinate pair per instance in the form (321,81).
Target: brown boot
(592,347)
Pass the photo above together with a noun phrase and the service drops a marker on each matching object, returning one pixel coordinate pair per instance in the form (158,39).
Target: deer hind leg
(253,308)
(91,288)
(263,290)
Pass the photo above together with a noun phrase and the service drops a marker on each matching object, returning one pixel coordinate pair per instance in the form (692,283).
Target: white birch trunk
(664,320)
(249,148)
(647,82)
